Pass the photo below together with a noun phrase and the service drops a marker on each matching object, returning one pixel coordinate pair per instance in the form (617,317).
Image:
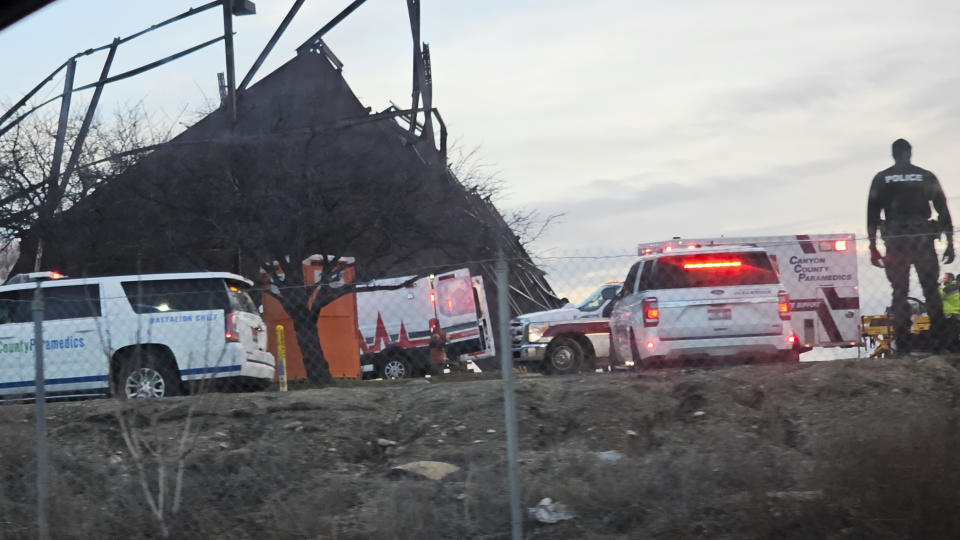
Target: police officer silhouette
(903,193)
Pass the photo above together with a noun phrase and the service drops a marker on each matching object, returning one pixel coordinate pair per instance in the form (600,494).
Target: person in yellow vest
(950,292)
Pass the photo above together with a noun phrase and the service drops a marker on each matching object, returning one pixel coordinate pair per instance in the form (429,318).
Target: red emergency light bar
(713,264)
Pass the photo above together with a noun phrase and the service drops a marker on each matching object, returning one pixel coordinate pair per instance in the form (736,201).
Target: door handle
(84,331)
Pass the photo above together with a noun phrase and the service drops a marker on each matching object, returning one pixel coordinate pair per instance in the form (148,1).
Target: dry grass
(896,476)
(672,494)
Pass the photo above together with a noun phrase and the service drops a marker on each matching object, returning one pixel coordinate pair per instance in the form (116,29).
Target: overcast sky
(638,120)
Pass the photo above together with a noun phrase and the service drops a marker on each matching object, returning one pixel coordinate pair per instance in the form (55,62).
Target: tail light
(792,339)
(230,330)
(783,305)
(651,313)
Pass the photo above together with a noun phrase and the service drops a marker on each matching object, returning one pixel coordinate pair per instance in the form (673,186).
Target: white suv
(137,336)
(702,303)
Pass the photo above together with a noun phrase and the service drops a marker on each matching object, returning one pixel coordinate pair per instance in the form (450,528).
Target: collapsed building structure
(303,168)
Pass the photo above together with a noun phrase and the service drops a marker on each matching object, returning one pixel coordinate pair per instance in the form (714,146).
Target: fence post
(509,409)
(40,417)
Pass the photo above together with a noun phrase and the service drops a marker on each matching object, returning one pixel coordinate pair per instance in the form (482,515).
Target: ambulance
(396,326)
(391,328)
(819,272)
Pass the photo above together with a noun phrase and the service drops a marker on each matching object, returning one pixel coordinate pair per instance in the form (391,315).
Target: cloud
(799,197)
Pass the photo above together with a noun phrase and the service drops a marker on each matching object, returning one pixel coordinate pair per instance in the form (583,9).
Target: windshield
(595,300)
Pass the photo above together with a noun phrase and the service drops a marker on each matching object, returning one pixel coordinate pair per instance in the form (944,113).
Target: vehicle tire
(147,374)
(564,356)
(395,365)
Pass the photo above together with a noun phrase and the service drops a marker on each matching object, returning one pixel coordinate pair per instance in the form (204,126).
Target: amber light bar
(716,264)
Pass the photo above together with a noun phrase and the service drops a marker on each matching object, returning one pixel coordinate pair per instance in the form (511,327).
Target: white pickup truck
(567,339)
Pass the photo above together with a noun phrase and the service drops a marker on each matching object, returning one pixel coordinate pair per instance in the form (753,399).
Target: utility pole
(228,48)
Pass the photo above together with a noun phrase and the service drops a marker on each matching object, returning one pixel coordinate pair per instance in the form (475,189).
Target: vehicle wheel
(564,356)
(395,365)
(147,374)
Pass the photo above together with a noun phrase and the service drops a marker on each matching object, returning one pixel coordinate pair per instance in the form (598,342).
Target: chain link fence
(676,307)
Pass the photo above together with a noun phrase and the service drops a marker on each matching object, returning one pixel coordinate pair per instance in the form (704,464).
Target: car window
(455,297)
(68,302)
(71,302)
(165,295)
(15,306)
(712,270)
(644,279)
(610,292)
(240,300)
(629,281)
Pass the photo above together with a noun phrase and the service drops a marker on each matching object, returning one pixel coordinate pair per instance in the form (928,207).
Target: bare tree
(483,180)
(159,455)
(476,176)
(26,158)
(530,225)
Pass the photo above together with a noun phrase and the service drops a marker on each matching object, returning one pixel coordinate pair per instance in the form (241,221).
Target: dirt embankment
(854,449)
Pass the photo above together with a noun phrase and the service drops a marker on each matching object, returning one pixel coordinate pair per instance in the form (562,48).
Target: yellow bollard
(281,358)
